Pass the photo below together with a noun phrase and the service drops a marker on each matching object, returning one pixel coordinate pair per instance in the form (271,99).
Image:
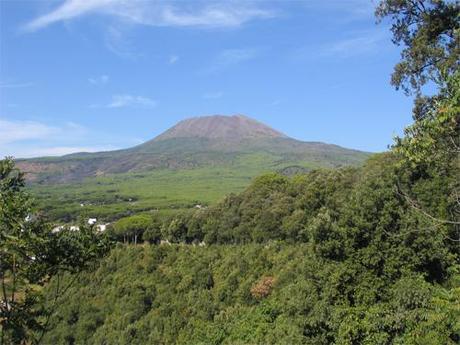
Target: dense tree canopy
(30,255)
(253,294)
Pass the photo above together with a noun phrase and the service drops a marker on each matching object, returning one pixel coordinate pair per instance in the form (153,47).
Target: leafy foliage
(30,255)
(429,30)
(205,295)
(130,229)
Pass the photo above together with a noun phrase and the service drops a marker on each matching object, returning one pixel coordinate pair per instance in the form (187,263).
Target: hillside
(193,143)
(198,161)
(247,294)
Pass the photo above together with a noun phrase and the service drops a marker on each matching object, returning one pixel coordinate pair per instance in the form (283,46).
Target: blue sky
(89,75)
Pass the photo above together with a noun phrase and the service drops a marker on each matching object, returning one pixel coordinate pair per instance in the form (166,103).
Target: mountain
(231,128)
(192,143)
(197,161)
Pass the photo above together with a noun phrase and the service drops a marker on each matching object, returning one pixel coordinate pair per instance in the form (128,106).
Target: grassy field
(163,190)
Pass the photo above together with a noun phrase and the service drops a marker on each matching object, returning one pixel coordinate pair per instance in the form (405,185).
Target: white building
(102,227)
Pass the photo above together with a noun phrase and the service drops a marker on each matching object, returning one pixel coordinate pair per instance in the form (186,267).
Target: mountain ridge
(216,140)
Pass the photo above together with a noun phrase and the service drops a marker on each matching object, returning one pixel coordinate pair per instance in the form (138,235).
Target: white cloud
(33,151)
(226,14)
(12,131)
(235,56)
(350,10)
(157,12)
(173,59)
(120,101)
(352,44)
(99,80)
(68,10)
(25,139)
(15,85)
(213,95)
(361,44)
(116,41)
(231,57)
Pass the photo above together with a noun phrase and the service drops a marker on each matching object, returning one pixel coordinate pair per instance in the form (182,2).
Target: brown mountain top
(236,127)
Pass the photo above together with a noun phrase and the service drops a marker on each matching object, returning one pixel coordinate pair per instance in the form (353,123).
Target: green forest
(331,257)
(348,255)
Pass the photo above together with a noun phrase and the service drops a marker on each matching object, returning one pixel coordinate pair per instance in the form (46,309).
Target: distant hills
(194,143)
(196,162)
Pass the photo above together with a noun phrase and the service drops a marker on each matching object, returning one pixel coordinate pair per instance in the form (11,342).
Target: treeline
(273,207)
(340,212)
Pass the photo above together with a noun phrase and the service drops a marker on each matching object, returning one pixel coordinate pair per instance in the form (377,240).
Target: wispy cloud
(231,57)
(99,80)
(12,131)
(158,12)
(213,95)
(4,85)
(25,139)
(224,14)
(68,10)
(121,101)
(351,45)
(349,9)
(235,56)
(116,41)
(360,44)
(173,59)
(30,152)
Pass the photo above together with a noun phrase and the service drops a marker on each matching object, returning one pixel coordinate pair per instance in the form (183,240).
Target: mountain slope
(193,143)
(198,161)
(231,128)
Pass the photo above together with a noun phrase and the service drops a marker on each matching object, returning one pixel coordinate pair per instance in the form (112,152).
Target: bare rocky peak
(236,127)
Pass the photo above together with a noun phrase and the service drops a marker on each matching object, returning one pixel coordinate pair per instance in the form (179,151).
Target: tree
(132,228)
(429,32)
(153,233)
(30,255)
(176,230)
(434,140)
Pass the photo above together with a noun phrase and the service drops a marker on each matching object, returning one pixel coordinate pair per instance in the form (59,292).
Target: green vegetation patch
(248,294)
